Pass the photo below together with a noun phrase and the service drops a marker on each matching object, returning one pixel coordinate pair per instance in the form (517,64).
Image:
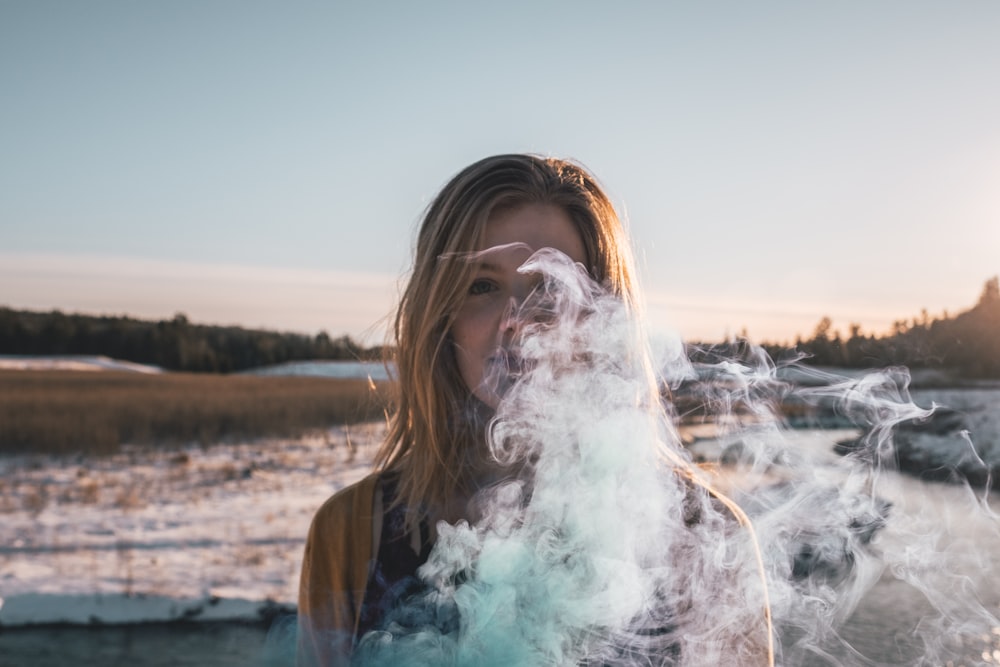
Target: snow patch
(72,363)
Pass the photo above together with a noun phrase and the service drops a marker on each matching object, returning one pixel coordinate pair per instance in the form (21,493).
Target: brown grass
(35,499)
(129,498)
(65,412)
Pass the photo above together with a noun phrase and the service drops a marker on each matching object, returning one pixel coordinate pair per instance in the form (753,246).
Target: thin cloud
(291,299)
(707,317)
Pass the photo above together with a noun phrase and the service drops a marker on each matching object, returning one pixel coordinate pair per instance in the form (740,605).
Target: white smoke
(608,546)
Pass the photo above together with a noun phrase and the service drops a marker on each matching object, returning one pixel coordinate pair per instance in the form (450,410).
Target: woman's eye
(481,286)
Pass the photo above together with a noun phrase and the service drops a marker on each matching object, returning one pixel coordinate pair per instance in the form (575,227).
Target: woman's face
(485,327)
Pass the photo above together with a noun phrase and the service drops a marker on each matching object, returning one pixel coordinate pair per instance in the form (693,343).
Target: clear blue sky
(266,164)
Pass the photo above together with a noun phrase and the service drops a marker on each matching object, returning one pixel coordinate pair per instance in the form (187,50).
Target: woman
(453,330)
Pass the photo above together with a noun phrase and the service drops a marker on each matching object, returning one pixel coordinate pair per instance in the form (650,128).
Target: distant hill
(175,344)
(967,344)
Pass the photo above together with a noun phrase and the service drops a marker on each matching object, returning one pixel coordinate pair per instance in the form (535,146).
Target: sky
(266,163)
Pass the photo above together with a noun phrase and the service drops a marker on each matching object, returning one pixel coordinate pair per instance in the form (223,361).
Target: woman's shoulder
(351,502)
(343,527)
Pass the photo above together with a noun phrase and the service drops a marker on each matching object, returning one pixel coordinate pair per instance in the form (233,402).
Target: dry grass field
(68,413)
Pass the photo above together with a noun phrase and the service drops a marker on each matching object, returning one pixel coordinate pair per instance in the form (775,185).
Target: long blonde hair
(431,433)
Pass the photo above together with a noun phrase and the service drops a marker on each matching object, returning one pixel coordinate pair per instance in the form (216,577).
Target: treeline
(967,344)
(175,344)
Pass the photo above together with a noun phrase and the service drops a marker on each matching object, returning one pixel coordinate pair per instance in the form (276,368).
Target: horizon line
(358,304)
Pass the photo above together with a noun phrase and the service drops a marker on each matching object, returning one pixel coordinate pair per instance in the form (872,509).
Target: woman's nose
(510,320)
(524,306)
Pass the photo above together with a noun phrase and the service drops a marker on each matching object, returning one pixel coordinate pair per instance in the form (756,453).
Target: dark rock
(942,421)
(830,524)
(934,448)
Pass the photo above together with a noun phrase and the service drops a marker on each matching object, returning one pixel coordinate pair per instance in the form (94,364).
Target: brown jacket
(342,542)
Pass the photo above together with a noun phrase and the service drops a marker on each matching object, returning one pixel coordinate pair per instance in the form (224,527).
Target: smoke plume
(611,546)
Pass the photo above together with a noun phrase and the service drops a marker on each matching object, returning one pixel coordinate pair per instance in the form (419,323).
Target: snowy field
(217,534)
(196,534)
